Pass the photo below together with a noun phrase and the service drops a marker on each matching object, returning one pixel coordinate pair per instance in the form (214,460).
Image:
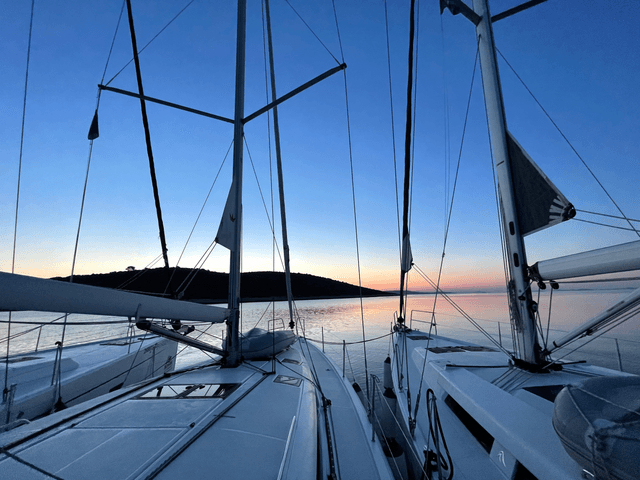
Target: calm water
(340,320)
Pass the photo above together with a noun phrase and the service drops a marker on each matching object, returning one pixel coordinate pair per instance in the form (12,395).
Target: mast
(233,324)
(521,304)
(405,261)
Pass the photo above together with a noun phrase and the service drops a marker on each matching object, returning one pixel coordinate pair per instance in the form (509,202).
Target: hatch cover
(293,381)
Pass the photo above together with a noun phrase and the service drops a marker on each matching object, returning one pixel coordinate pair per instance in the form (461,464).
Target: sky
(580,59)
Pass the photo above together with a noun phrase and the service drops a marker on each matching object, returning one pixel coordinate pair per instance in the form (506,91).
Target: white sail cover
(614,259)
(227,231)
(538,202)
(24,293)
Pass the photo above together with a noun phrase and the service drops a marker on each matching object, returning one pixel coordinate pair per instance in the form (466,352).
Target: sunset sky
(579,58)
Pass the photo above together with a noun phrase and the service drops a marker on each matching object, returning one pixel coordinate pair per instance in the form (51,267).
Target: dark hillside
(213,286)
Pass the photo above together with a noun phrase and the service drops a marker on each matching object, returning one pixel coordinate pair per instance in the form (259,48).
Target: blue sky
(579,58)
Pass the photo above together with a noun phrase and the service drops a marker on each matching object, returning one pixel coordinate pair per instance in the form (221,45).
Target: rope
(133,361)
(570,144)
(437,433)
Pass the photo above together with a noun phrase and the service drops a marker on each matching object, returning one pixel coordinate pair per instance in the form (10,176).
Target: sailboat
(270,404)
(475,411)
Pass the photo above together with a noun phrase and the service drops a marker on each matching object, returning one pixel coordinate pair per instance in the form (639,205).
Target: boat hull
(496,419)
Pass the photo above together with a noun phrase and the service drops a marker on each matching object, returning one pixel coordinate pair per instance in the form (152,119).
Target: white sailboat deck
(496,418)
(242,422)
(86,371)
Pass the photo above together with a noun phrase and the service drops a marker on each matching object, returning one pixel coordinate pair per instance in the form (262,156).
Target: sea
(339,326)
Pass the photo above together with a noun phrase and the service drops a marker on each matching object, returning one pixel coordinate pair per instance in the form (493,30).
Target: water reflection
(340,320)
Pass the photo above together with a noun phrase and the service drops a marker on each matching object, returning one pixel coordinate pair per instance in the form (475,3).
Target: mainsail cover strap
(24,293)
(539,203)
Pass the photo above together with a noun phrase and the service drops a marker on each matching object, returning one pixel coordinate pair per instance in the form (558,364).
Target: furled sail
(407,257)
(539,203)
(226,231)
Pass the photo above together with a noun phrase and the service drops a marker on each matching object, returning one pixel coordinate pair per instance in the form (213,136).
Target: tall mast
(405,261)
(521,305)
(233,324)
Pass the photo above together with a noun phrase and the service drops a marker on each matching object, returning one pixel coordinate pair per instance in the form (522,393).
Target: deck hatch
(290,360)
(200,390)
(293,381)
(418,337)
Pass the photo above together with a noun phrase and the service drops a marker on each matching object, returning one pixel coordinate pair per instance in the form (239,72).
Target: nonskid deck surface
(243,422)
(86,371)
(496,418)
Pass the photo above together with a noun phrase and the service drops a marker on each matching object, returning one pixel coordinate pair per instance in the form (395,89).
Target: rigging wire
(5,391)
(113,41)
(570,144)
(628,314)
(607,215)
(462,312)
(314,33)
(148,43)
(264,203)
(195,224)
(447,129)
(353,197)
(454,187)
(633,229)
(393,132)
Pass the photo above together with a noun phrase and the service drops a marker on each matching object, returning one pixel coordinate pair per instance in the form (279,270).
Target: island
(204,286)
